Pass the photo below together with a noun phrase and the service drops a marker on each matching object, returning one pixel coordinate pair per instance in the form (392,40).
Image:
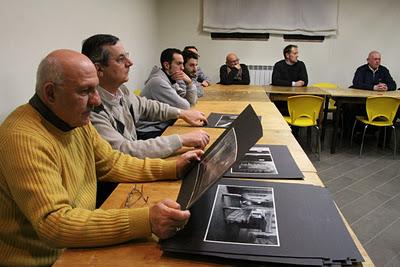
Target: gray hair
(49,70)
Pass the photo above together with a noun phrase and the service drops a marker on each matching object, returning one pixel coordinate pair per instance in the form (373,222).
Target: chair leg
(395,141)
(362,140)
(309,136)
(384,137)
(342,129)
(318,141)
(352,133)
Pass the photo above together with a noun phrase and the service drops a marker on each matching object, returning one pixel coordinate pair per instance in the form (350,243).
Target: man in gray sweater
(117,117)
(162,86)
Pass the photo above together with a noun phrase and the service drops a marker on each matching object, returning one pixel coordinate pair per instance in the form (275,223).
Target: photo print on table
(258,160)
(243,215)
(225,120)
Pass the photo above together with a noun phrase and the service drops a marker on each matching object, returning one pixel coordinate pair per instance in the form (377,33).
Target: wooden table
(147,252)
(247,93)
(351,96)
(271,118)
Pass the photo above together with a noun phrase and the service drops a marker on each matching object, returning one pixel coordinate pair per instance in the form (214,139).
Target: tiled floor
(367,191)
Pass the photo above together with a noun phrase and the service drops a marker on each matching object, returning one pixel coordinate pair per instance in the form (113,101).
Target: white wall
(364,25)
(30,29)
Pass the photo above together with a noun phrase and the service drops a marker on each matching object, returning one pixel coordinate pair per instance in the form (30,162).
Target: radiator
(260,74)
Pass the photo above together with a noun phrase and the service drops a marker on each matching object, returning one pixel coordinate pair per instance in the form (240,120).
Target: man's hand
(237,66)
(180,75)
(184,160)
(198,139)
(205,84)
(380,87)
(299,83)
(193,117)
(166,218)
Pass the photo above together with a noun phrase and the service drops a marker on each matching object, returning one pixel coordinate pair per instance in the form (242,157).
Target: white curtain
(308,17)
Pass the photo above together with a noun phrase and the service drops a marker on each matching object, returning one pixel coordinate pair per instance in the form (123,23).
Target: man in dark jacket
(233,72)
(373,76)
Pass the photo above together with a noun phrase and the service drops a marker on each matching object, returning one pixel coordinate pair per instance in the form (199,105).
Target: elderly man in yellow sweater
(51,157)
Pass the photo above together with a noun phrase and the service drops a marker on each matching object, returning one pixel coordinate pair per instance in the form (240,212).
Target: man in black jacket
(290,71)
(233,72)
(373,76)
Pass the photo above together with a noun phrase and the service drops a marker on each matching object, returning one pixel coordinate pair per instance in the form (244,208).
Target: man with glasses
(233,72)
(201,79)
(51,159)
(116,118)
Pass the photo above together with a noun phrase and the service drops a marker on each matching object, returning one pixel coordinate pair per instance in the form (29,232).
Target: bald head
(374,59)
(60,66)
(232,59)
(67,84)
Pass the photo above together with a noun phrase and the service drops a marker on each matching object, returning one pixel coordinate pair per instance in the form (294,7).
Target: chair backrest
(382,108)
(305,106)
(325,85)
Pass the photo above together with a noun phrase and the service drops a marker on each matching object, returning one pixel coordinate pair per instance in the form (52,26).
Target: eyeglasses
(121,59)
(136,198)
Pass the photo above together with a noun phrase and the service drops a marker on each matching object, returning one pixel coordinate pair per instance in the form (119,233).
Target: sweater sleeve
(39,189)
(277,76)
(303,74)
(223,75)
(159,147)
(245,75)
(162,91)
(391,84)
(112,165)
(201,76)
(359,80)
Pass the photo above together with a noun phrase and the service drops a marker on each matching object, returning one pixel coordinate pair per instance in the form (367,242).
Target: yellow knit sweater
(48,189)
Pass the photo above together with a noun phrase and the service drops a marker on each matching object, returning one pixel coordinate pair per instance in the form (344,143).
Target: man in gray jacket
(162,86)
(116,118)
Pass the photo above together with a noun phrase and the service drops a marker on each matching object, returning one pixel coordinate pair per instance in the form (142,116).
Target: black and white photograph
(215,163)
(258,160)
(243,215)
(225,120)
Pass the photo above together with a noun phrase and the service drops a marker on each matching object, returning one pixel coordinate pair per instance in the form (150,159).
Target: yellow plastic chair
(381,111)
(332,106)
(304,111)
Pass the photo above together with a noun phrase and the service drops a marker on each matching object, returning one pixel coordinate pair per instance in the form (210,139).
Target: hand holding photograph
(232,144)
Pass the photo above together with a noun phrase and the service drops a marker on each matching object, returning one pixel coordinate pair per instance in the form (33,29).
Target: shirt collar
(109,98)
(373,69)
(49,115)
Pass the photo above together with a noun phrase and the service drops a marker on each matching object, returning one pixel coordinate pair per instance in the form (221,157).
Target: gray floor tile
(371,167)
(371,224)
(394,262)
(391,188)
(338,170)
(367,211)
(345,196)
(359,207)
(393,203)
(370,183)
(337,184)
(384,247)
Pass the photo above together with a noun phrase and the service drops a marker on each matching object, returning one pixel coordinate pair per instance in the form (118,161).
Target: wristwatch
(179,112)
